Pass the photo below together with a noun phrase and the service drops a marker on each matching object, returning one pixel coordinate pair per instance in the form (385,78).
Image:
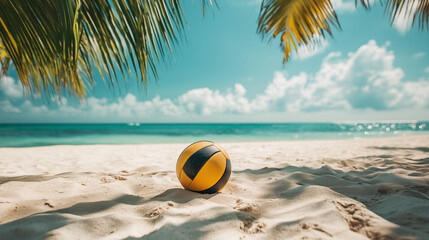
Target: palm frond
(298,21)
(54,44)
(422,14)
(210,3)
(418,9)
(27,31)
(2,51)
(4,59)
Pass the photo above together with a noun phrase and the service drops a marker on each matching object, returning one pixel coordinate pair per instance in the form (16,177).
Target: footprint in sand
(155,212)
(159,210)
(250,224)
(359,218)
(105,180)
(120,178)
(314,226)
(110,179)
(353,214)
(246,207)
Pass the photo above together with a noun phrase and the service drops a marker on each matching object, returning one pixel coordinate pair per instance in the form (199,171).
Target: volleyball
(204,167)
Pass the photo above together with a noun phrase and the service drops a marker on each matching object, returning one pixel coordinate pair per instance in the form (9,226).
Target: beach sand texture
(333,189)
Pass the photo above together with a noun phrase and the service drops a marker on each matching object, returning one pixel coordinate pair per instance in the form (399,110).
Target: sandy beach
(374,188)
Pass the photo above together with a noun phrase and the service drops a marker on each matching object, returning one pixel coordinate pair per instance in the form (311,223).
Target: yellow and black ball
(204,167)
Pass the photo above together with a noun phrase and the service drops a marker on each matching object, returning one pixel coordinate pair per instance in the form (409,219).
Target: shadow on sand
(39,225)
(422,149)
(374,186)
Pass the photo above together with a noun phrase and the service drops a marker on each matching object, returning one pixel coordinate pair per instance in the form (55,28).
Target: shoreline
(83,134)
(350,188)
(232,141)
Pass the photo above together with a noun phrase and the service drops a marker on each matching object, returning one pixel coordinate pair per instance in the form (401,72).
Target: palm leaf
(2,51)
(419,9)
(54,44)
(297,21)
(4,59)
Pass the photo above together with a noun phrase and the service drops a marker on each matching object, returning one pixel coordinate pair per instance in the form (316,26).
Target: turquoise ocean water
(28,135)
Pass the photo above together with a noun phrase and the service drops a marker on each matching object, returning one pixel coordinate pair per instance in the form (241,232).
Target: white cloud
(368,77)
(125,107)
(417,93)
(364,79)
(402,24)
(206,101)
(307,51)
(11,88)
(29,107)
(418,55)
(343,5)
(7,107)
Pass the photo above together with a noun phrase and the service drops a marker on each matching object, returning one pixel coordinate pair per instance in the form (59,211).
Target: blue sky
(222,71)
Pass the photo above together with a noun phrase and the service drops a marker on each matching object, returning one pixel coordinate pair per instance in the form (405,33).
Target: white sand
(348,189)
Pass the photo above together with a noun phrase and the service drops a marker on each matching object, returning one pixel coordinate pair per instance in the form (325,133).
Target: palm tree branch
(299,22)
(55,44)
(419,9)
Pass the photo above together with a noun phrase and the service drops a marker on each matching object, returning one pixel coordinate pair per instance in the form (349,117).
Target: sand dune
(336,189)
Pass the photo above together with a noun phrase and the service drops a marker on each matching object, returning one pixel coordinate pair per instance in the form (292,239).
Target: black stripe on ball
(222,181)
(197,160)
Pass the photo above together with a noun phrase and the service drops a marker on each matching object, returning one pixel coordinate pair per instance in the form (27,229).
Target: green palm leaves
(418,9)
(297,21)
(53,44)
(302,22)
